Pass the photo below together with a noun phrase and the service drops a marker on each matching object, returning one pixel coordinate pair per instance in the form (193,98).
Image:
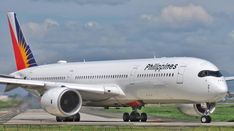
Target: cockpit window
(205,73)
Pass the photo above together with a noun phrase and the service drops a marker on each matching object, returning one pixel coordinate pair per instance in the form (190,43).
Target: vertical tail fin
(23,55)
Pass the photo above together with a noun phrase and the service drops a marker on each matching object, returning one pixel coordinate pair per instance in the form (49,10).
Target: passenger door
(70,75)
(133,74)
(180,75)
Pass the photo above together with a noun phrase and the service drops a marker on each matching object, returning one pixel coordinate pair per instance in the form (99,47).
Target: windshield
(205,73)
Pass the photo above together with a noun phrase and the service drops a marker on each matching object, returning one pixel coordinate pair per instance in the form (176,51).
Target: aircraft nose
(220,89)
(223,89)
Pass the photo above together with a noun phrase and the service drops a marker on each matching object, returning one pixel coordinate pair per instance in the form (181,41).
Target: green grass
(105,128)
(223,112)
(167,111)
(9,103)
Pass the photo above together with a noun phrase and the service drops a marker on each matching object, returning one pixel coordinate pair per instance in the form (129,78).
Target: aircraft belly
(124,103)
(144,91)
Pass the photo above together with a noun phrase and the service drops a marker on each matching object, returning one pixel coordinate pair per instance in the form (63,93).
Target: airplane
(195,84)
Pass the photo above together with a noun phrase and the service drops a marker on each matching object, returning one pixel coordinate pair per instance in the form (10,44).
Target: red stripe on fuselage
(135,103)
(18,56)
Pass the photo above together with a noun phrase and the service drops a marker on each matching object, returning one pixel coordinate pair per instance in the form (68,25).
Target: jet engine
(61,102)
(196,109)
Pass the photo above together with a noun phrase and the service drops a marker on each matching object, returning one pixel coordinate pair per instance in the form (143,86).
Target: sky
(75,30)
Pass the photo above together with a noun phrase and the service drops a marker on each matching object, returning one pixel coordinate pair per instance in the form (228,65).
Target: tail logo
(23,55)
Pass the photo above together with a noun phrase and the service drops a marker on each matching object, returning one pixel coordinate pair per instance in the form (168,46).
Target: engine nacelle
(196,109)
(62,102)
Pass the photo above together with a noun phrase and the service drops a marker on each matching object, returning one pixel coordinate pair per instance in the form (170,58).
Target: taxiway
(38,116)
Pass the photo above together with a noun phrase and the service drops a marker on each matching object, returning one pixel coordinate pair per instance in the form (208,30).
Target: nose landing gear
(206,117)
(135,116)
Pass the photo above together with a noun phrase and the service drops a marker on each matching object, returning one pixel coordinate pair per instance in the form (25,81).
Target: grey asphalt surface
(39,116)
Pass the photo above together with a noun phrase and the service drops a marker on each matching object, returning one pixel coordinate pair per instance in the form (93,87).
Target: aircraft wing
(231,78)
(230,94)
(42,86)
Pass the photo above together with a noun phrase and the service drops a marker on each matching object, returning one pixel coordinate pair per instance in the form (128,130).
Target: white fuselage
(150,81)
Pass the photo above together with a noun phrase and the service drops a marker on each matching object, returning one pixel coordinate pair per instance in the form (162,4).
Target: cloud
(72,24)
(91,2)
(231,35)
(180,15)
(40,29)
(91,24)
(94,37)
(149,17)
(184,14)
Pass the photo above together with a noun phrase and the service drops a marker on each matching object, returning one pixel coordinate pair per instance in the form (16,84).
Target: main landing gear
(75,118)
(135,116)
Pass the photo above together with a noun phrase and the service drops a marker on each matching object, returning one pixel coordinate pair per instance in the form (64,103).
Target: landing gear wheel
(58,119)
(76,117)
(143,117)
(205,119)
(68,119)
(126,117)
(134,117)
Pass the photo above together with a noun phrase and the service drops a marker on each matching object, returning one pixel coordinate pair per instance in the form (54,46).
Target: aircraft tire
(76,117)
(126,117)
(205,119)
(143,117)
(58,119)
(134,117)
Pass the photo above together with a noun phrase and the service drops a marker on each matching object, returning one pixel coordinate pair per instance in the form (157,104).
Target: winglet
(23,55)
